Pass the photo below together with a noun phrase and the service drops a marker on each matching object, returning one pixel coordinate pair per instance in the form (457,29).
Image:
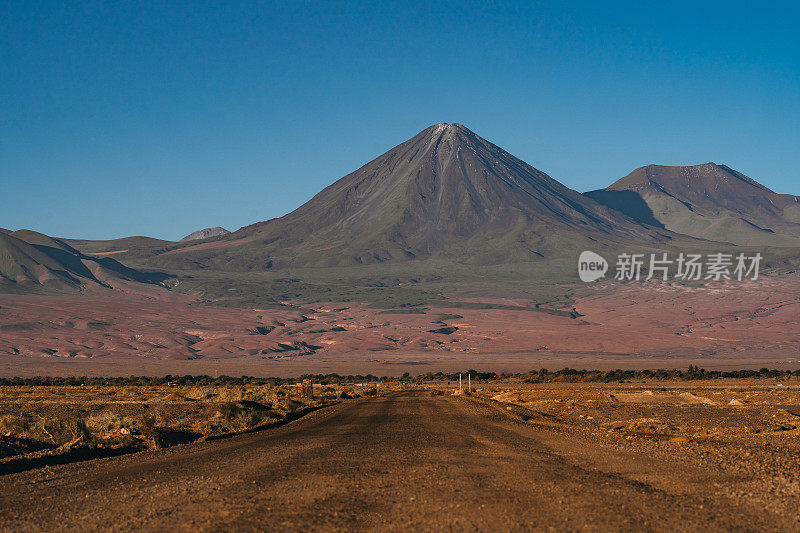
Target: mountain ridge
(205,233)
(708,201)
(31,261)
(445,192)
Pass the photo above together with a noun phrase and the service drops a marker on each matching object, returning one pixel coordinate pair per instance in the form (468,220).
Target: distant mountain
(707,201)
(4,230)
(32,261)
(444,193)
(206,234)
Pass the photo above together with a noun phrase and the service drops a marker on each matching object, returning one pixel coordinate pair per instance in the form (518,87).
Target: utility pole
(469,382)
(459,382)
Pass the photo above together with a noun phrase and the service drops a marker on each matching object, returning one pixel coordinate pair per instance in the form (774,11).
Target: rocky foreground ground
(748,430)
(505,456)
(48,425)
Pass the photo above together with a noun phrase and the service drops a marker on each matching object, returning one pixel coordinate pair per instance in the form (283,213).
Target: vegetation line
(534,376)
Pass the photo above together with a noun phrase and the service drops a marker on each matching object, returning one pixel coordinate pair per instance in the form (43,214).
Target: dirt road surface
(407,461)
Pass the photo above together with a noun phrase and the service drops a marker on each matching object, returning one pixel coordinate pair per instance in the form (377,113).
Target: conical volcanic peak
(444,192)
(709,201)
(451,178)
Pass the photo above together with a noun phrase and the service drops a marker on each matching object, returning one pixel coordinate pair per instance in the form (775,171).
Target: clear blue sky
(126,118)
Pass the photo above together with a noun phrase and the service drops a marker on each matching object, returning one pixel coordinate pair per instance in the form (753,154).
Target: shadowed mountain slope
(22,264)
(444,193)
(34,261)
(708,201)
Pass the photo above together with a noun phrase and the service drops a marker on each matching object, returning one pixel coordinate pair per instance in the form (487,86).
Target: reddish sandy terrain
(636,325)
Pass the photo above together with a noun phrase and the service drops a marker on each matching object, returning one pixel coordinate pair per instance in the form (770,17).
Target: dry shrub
(220,394)
(199,393)
(109,421)
(105,421)
(56,431)
(18,426)
(60,431)
(230,394)
(265,395)
(239,408)
(286,405)
(229,410)
(236,417)
(245,420)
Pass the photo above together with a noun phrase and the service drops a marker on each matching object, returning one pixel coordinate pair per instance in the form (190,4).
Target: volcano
(707,201)
(446,192)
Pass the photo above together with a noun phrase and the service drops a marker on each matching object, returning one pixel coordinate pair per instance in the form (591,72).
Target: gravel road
(407,461)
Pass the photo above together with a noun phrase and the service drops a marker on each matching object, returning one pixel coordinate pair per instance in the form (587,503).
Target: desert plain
(155,331)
